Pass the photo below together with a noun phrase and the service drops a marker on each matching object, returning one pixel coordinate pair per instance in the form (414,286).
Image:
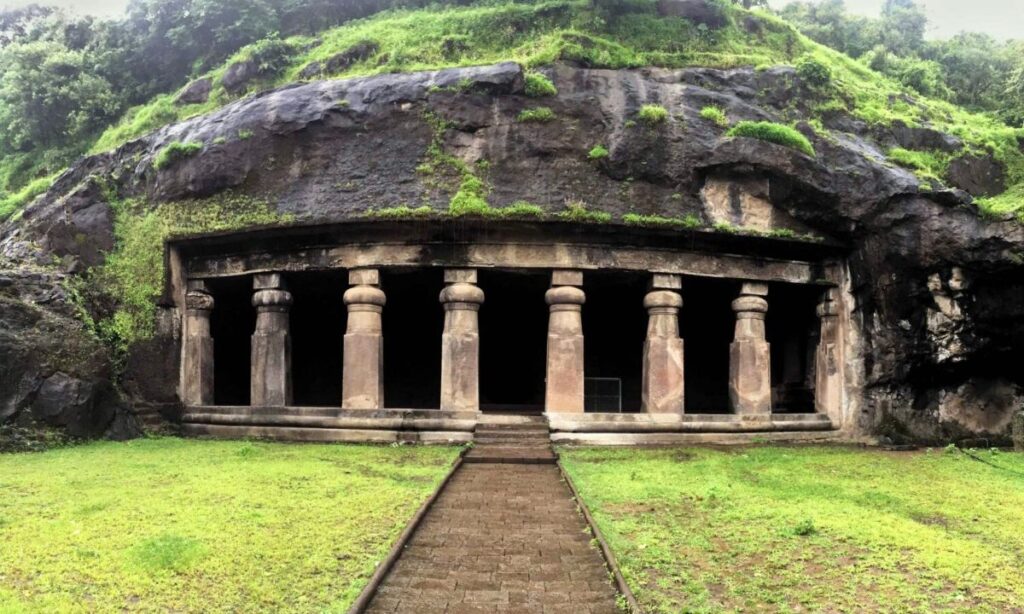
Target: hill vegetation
(68,85)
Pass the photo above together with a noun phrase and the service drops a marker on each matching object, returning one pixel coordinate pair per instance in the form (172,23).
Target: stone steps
(511,439)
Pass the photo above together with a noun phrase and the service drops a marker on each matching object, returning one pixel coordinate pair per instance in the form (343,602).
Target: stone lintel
(754,288)
(566,277)
(666,281)
(364,277)
(456,276)
(267,281)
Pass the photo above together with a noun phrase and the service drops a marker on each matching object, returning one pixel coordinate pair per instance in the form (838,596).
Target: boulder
(340,62)
(196,92)
(980,175)
(1018,431)
(237,77)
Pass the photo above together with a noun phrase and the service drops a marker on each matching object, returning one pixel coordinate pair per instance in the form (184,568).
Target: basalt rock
(196,92)
(939,290)
(979,175)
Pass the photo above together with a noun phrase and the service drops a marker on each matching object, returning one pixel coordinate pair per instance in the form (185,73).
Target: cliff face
(940,291)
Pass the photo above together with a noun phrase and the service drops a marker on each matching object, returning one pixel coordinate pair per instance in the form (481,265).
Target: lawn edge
(609,558)
(368,592)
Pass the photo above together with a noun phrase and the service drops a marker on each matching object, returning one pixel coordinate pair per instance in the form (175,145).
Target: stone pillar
(564,382)
(750,372)
(460,343)
(197,357)
(827,373)
(363,371)
(271,364)
(662,379)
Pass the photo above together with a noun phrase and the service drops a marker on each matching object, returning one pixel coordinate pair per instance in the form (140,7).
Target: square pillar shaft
(662,385)
(750,372)
(271,357)
(460,341)
(827,371)
(197,353)
(564,381)
(362,384)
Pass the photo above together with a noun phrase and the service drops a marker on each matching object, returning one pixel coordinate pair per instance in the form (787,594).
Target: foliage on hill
(604,33)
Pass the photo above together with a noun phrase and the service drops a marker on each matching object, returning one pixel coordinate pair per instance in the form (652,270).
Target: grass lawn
(815,528)
(175,525)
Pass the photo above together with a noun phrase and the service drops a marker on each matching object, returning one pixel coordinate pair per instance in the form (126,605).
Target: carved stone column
(750,372)
(827,372)
(362,384)
(271,364)
(460,343)
(662,379)
(564,383)
(197,357)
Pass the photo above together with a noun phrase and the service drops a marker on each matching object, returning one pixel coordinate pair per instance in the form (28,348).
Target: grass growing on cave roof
(541,33)
(172,525)
(809,528)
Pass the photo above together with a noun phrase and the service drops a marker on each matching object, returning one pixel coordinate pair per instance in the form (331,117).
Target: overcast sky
(1001,18)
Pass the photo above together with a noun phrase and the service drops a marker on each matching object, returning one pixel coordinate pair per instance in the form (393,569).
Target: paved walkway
(502,537)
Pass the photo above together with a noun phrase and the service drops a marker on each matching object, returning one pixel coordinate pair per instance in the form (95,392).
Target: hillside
(535,34)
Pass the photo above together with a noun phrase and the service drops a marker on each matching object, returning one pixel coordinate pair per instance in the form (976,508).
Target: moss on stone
(537,85)
(536,115)
(714,115)
(652,114)
(175,152)
(577,211)
(598,152)
(689,222)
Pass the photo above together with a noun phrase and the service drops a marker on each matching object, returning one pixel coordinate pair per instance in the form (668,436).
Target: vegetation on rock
(536,115)
(537,85)
(689,222)
(652,114)
(598,152)
(715,115)
(773,133)
(576,211)
(175,152)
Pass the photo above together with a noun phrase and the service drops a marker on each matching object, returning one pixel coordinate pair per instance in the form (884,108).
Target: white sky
(1002,19)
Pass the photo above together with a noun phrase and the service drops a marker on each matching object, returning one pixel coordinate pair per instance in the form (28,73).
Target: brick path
(502,537)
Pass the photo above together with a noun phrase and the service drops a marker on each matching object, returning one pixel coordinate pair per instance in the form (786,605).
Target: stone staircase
(512,439)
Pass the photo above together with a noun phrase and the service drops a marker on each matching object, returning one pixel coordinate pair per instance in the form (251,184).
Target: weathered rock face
(940,291)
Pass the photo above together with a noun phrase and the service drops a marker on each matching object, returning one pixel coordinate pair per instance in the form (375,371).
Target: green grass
(170,525)
(926,164)
(537,85)
(577,211)
(598,152)
(714,115)
(809,529)
(13,203)
(536,115)
(401,212)
(652,114)
(176,152)
(773,133)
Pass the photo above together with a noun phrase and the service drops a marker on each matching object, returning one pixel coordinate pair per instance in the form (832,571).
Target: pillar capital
(828,307)
(569,297)
(364,298)
(272,300)
(462,295)
(665,301)
(199,299)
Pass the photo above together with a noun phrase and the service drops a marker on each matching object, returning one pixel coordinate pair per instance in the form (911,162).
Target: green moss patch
(12,203)
(598,152)
(809,528)
(537,85)
(176,152)
(926,164)
(652,114)
(174,525)
(689,222)
(773,133)
(714,115)
(536,115)
(577,211)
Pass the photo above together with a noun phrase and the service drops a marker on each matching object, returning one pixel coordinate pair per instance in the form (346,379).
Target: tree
(16,24)
(49,96)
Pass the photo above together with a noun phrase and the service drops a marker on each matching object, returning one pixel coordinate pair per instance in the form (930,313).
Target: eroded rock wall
(939,291)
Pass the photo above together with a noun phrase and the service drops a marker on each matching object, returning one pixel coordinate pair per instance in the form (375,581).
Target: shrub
(715,115)
(652,114)
(773,133)
(576,211)
(537,85)
(176,152)
(599,152)
(540,114)
(813,72)
(244,135)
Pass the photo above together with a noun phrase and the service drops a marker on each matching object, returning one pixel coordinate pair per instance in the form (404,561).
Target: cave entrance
(513,340)
(706,324)
(614,329)
(792,329)
(413,322)
(231,324)
(317,324)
